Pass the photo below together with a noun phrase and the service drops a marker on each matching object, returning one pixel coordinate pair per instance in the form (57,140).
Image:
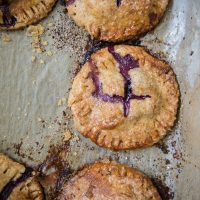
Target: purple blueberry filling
(126,63)
(153,17)
(7,190)
(98,93)
(119,2)
(70,2)
(8,20)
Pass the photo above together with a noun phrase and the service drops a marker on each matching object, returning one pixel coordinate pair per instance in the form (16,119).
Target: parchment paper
(31,119)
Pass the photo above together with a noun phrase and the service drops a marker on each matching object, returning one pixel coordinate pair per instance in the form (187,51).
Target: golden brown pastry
(18,182)
(109,182)
(115,20)
(124,98)
(15,14)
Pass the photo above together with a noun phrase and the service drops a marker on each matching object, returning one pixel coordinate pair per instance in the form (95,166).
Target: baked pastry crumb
(42,62)
(6,38)
(49,53)
(35,32)
(67,135)
(33,58)
(45,43)
(62,101)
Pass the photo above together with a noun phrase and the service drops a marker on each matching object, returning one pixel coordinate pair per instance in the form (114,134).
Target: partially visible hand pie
(18,182)
(15,14)
(116,20)
(124,98)
(109,181)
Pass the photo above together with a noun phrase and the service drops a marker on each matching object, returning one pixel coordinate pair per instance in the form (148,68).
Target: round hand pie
(18,182)
(109,181)
(15,14)
(115,20)
(123,98)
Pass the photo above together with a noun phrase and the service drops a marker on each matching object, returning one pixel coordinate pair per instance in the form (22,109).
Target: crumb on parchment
(6,38)
(67,135)
(39,119)
(42,62)
(50,24)
(33,58)
(49,53)
(76,138)
(62,101)
(35,33)
(45,43)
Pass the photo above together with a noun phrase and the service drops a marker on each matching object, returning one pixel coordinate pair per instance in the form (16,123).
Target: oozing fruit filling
(126,63)
(8,19)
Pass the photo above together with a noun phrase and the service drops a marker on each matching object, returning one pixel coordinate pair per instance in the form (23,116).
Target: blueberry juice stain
(69,2)
(8,19)
(125,64)
(118,2)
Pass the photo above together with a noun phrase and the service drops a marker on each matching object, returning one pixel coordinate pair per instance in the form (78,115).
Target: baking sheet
(32,98)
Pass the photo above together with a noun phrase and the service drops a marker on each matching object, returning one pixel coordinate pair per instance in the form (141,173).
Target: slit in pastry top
(126,63)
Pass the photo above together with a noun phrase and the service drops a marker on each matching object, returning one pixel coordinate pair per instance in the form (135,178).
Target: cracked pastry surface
(23,12)
(124,98)
(103,181)
(116,20)
(18,182)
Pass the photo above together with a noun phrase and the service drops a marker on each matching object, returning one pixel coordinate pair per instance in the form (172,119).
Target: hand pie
(15,14)
(124,98)
(116,20)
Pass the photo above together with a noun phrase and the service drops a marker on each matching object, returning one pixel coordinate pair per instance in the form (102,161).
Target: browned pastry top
(124,98)
(116,20)
(109,182)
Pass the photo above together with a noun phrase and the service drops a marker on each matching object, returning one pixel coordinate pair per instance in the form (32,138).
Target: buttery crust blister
(104,181)
(124,104)
(10,172)
(116,20)
(25,12)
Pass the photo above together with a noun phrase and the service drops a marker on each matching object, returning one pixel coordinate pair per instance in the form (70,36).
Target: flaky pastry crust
(106,20)
(27,12)
(103,181)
